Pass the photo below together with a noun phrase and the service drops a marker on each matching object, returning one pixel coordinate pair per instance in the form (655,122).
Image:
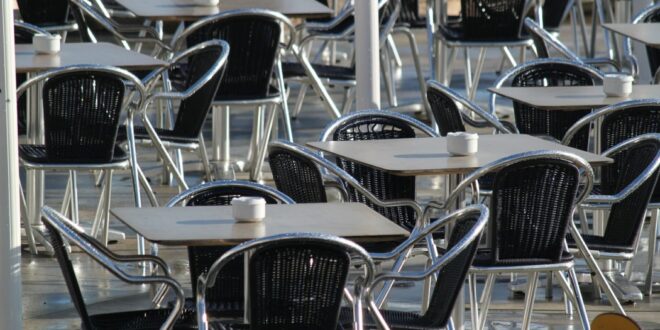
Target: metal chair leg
(206,164)
(648,284)
(284,106)
(530,295)
(74,197)
(579,304)
(297,108)
(474,301)
(488,290)
(26,221)
(477,73)
(349,97)
(106,212)
(255,171)
(393,50)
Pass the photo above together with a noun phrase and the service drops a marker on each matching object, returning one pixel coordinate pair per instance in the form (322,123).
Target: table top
(572,98)
(185,10)
(647,33)
(214,225)
(429,156)
(83,53)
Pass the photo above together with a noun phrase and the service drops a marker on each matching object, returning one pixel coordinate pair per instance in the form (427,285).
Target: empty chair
(543,73)
(296,281)
(50,15)
(533,201)
(254,36)
(225,299)
(204,67)
(60,230)
(620,122)
(450,268)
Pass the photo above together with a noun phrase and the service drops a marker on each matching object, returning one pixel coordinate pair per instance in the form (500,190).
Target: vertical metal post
(10,224)
(367,54)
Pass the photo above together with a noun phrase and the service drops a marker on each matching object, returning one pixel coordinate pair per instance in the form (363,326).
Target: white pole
(367,54)
(10,223)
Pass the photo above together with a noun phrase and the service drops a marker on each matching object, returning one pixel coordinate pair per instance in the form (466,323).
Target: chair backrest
(649,15)
(378,125)
(44,12)
(543,41)
(296,176)
(543,73)
(555,11)
(296,280)
(444,104)
(451,267)
(631,158)
(82,107)
(492,19)
(205,68)
(534,197)
(227,296)
(254,37)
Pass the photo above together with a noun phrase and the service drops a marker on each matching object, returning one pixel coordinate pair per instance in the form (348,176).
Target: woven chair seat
(484,258)
(600,244)
(455,31)
(142,320)
(395,319)
(272,92)
(293,70)
(37,154)
(166,135)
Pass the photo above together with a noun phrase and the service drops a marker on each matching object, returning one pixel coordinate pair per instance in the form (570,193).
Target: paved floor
(47,304)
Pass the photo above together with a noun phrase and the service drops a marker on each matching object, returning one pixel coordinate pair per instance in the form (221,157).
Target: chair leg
(66,201)
(106,213)
(153,201)
(26,221)
(206,164)
(648,284)
(284,106)
(164,154)
(468,71)
(74,197)
(579,303)
(488,290)
(98,217)
(393,50)
(529,299)
(299,100)
(474,301)
(583,26)
(477,73)
(221,137)
(255,171)
(349,97)
(385,71)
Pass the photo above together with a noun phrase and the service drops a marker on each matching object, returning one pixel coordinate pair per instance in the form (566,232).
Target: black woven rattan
(44,13)
(226,298)
(297,177)
(254,42)
(653,52)
(448,286)
(138,319)
(554,12)
(297,285)
(335,72)
(445,112)
(409,14)
(81,119)
(531,205)
(486,20)
(383,185)
(535,121)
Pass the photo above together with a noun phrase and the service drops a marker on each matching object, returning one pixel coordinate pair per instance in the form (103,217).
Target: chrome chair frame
(31,27)
(276,194)
(587,177)
(63,30)
(412,241)
(162,147)
(356,251)
(146,34)
(132,104)
(416,124)
(551,40)
(112,261)
(221,140)
(653,207)
(489,118)
(627,42)
(506,76)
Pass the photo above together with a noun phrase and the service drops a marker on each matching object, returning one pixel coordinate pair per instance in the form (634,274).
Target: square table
(31,63)
(215,225)
(646,33)
(429,156)
(572,98)
(185,10)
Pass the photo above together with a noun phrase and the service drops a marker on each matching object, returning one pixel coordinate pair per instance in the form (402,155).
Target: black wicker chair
(204,68)
(226,298)
(50,15)
(548,72)
(648,15)
(378,125)
(253,76)
(618,123)
(296,281)
(532,204)
(450,268)
(59,228)
(482,24)
(82,135)
(23,33)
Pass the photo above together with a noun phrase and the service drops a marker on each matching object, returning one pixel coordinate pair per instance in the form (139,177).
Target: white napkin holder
(617,85)
(462,144)
(248,209)
(46,43)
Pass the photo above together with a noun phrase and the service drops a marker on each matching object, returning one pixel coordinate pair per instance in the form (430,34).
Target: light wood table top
(27,60)
(572,98)
(429,156)
(214,225)
(647,33)
(185,10)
